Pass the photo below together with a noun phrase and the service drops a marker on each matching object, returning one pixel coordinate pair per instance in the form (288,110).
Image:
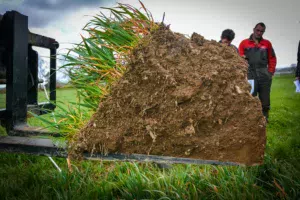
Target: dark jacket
(261,58)
(298,62)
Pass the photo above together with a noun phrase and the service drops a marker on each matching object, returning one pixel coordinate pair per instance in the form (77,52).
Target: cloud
(67,32)
(59,5)
(11,2)
(42,12)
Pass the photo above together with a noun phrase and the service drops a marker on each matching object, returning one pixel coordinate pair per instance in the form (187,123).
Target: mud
(180,97)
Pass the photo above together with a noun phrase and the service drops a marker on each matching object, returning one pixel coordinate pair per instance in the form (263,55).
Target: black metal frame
(46,147)
(21,63)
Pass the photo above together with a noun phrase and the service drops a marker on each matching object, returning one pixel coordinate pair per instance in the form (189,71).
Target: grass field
(32,177)
(65,95)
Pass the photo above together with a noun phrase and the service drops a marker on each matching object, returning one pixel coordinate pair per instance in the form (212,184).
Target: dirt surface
(180,97)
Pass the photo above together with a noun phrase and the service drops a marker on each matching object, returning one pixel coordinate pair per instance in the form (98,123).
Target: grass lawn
(65,95)
(33,177)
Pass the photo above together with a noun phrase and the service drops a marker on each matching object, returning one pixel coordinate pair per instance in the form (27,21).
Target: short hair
(228,34)
(260,24)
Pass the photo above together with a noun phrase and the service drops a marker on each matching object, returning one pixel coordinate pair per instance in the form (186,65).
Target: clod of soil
(180,97)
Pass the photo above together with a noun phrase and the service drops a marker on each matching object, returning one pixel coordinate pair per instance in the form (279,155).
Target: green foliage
(100,58)
(97,62)
(284,129)
(2,131)
(69,116)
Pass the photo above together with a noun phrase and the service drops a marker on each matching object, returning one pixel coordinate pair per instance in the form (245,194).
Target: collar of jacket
(250,38)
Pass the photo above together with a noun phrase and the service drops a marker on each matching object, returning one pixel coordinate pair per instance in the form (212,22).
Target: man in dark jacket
(298,63)
(262,63)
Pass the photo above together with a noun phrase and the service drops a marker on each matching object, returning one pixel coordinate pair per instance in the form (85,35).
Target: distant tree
(293,67)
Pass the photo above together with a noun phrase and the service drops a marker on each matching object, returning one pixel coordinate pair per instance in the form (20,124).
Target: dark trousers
(262,88)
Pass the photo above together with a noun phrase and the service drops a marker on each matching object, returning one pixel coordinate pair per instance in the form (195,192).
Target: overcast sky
(64,19)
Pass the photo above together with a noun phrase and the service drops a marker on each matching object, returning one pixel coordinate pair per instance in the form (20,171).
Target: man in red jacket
(262,63)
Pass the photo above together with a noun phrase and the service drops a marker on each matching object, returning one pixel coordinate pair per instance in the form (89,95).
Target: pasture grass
(34,177)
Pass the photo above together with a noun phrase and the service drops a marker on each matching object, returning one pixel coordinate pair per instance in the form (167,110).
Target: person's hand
(244,62)
(271,73)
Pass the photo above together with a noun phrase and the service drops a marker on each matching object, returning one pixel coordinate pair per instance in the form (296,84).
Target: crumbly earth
(180,97)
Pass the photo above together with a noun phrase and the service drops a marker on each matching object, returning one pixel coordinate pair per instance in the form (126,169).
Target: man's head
(227,36)
(259,30)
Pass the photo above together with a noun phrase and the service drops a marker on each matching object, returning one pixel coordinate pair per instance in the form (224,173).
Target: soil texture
(180,97)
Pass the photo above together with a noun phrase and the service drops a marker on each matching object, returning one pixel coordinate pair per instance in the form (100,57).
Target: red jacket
(259,55)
